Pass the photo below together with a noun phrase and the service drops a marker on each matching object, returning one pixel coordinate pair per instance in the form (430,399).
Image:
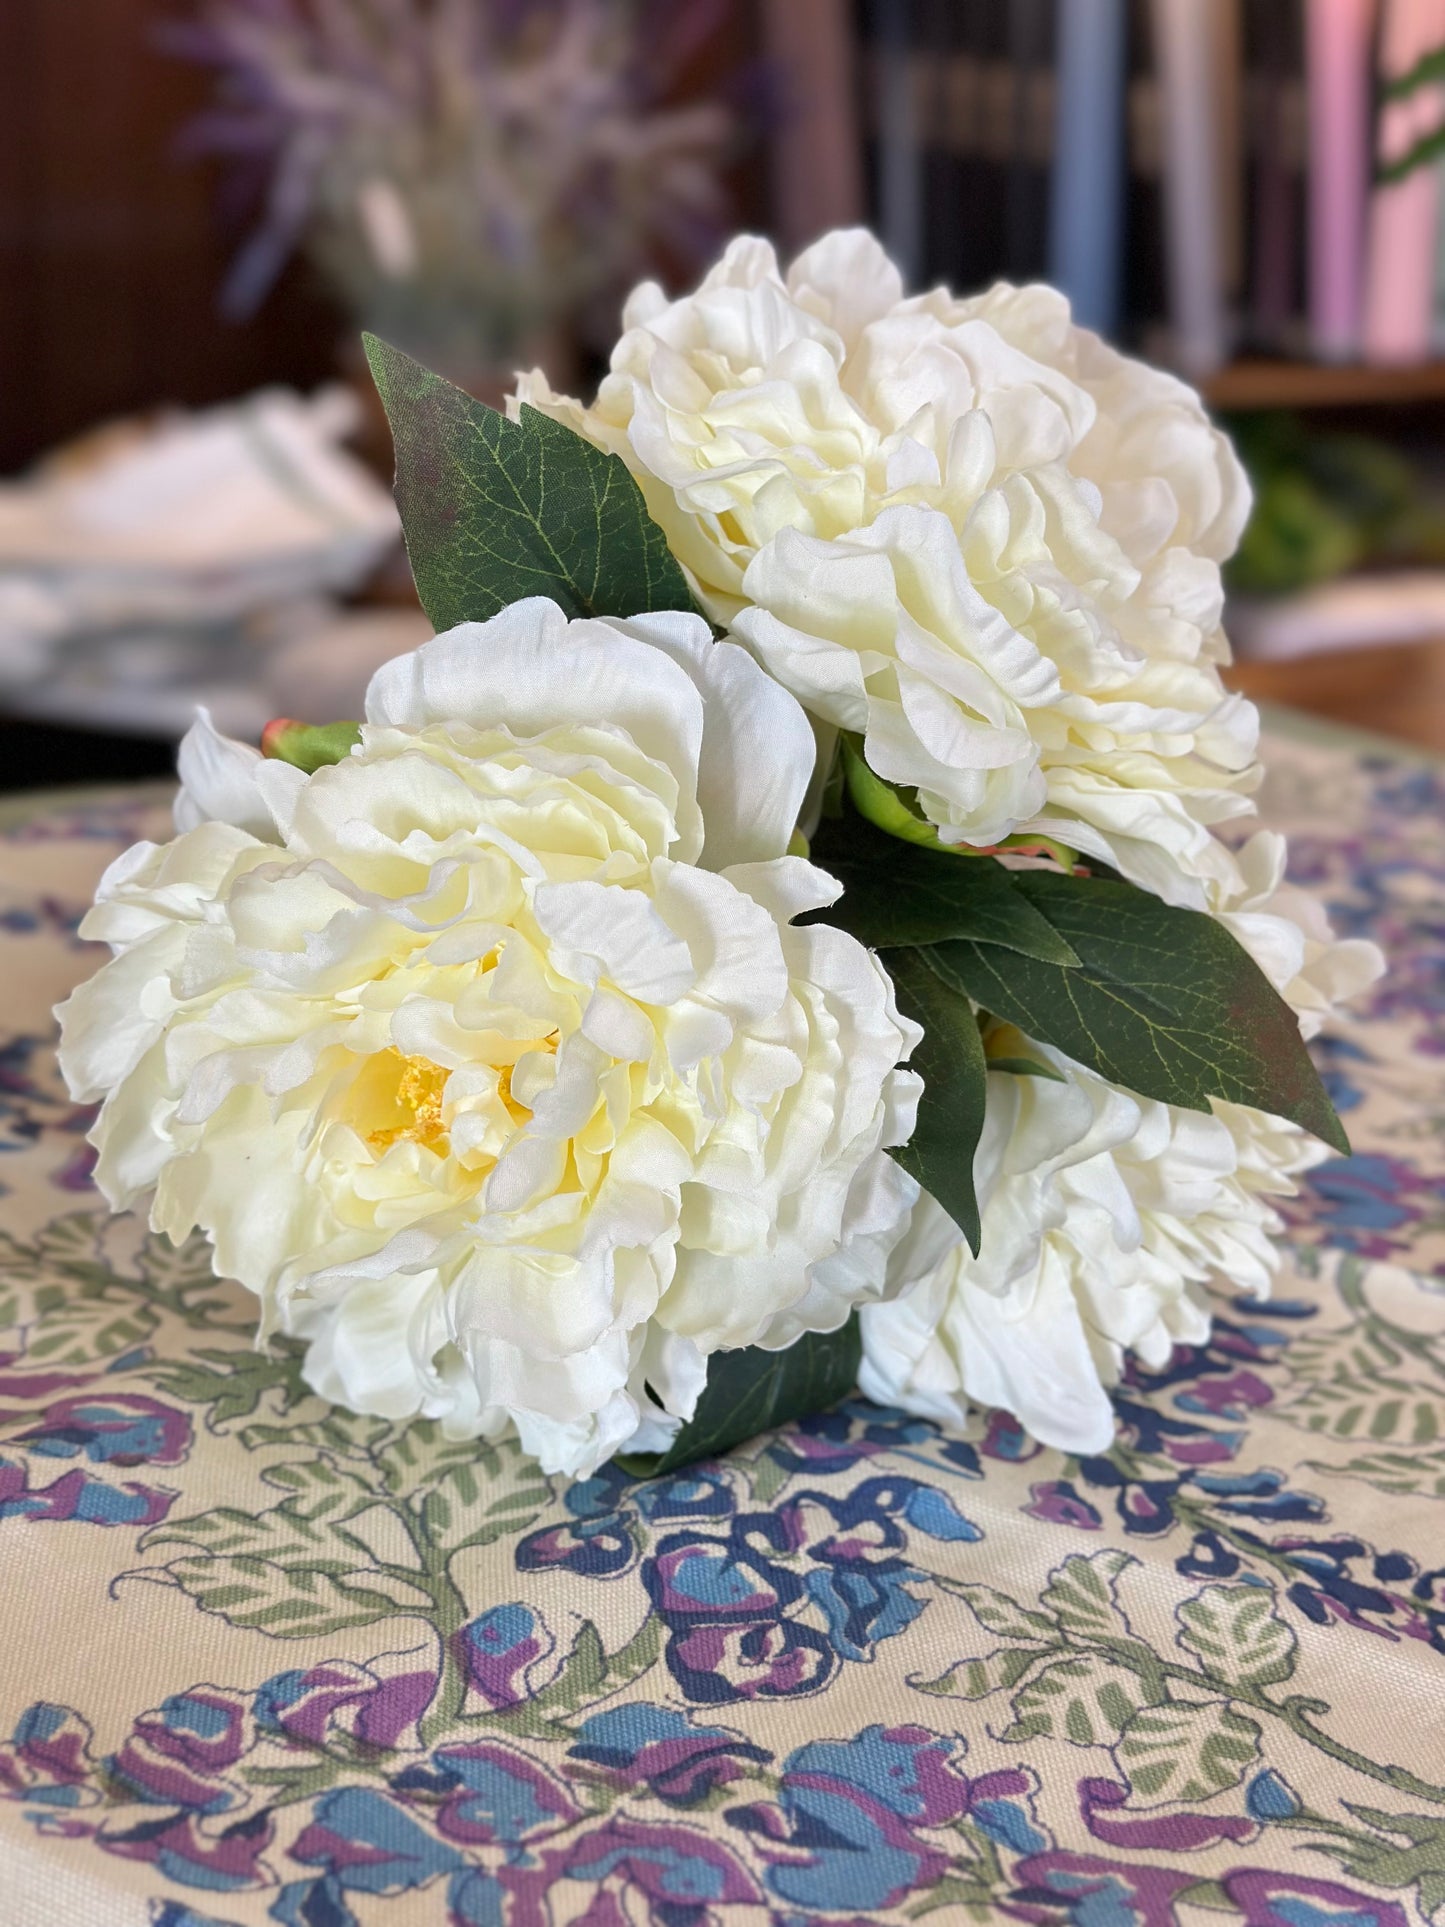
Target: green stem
(449,1614)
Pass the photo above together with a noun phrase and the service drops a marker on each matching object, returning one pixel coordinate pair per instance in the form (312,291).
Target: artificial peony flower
(489,1057)
(966,530)
(1105,1215)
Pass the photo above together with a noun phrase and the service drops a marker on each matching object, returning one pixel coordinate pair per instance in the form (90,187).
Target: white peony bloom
(1105,1214)
(1288,934)
(489,1056)
(965,529)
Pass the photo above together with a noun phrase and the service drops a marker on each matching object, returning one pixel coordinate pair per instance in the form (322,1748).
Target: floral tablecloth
(264,1661)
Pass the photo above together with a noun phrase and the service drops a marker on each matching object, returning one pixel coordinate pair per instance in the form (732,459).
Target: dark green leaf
(1027,1067)
(1164,1002)
(955,1088)
(897,893)
(495,510)
(751,1391)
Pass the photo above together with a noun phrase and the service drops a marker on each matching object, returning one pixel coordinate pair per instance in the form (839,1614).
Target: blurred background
(202,203)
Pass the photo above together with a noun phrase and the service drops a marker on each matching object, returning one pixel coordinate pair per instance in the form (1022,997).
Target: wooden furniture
(1395,689)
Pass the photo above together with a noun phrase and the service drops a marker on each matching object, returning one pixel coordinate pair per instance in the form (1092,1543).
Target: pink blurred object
(1400,278)
(1338,35)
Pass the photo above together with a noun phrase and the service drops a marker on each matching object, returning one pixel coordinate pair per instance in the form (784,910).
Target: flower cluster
(489,1056)
(510,1047)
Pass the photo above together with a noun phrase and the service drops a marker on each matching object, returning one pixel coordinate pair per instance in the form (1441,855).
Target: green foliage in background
(1327,502)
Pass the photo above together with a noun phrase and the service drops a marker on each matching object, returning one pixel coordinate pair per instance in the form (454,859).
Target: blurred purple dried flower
(465,173)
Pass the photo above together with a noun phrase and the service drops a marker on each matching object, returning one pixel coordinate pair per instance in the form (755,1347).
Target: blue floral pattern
(286,1664)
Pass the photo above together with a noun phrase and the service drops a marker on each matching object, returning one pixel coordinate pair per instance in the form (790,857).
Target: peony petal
(758,748)
(229,782)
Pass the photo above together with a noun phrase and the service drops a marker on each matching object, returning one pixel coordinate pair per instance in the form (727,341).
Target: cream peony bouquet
(792,927)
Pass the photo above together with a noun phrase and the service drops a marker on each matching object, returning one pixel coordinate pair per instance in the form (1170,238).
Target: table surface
(266,1661)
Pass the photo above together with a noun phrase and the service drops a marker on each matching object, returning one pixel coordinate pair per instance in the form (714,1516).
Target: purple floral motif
(1004,1438)
(112,1428)
(365,1844)
(611,1512)
(76,1172)
(602,1539)
(680,1875)
(79,1496)
(17,1380)
(1086,1891)
(498,1650)
(378,1707)
(658,1748)
(492,1795)
(828,1444)
(1102,1809)
(175,1913)
(178,1755)
(731,1619)
(1057,1503)
(741,1611)
(1356,1202)
(847,1831)
(700,1492)
(1289,1900)
(47,1758)
(1330,1588)
(193,1852)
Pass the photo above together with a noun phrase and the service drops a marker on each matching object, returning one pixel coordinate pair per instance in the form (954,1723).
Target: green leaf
(1001,1615)
(590,1672)
(1026,1067)
(265,1598)
(1183,1751)
(1387,1864)
(1080,1594)
(495,510)
(1164,1002)
(1400,1473)
(896,893)
(303,1532)
(234,1383)
(588,1675)
(1349,1407)
(463,1506)
(1210,1894)
(955,1089)
(974,1679)
(308,746)
(962,1896)
(1084,1699)
(1237,1634)
(750,1391)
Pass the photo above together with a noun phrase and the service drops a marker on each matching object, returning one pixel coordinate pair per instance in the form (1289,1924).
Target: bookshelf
(1256,383)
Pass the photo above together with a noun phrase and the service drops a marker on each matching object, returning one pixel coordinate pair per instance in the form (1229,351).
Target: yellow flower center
(418,1097)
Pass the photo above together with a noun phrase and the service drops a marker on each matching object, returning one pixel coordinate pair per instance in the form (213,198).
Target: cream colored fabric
(264,1661)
